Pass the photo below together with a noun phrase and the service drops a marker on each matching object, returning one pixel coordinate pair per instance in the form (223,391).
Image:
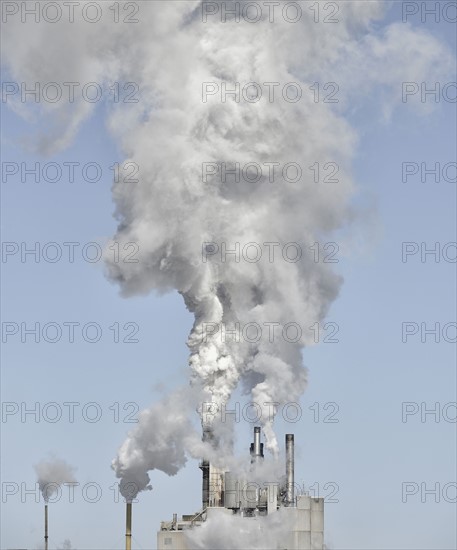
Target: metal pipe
(256,443)
(290,494)
(128,527)
(256,448)
(45,527)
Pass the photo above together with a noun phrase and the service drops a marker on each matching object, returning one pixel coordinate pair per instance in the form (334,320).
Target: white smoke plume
(53,473)
(233,532)
(159,441)
(172,212)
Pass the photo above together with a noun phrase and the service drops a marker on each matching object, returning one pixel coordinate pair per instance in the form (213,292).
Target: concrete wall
(308,524)
(171,540)
(307,531)
(216,485)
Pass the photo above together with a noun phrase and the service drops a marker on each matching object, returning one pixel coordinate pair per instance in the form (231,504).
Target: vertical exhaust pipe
(204,467)
(45,527)
(256,443)
(128,527)
(290,494)
(256,448)
(208,436)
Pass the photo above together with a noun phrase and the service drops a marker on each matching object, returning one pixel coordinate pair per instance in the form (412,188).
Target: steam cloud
(172,212)
(233,532)
(52,474)
(158,442)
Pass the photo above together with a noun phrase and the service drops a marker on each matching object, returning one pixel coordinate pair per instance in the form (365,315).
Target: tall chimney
(256,447)
(257,442)
(212,475)
(128,528)
(45,527)
(204,467)
(290,496)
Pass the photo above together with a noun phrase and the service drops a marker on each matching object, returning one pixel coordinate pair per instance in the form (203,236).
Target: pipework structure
(225,493)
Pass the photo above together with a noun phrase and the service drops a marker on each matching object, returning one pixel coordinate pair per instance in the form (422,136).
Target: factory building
(223,494)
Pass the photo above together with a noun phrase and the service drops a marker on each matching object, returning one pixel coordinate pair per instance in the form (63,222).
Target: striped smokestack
(128,526)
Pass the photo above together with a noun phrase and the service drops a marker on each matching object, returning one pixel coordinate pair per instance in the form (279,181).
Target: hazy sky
(376,463)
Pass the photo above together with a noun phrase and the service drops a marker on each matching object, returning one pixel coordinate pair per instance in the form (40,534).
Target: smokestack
(256,447)
(128,528)
(290,496)
(212,476)
(45,527)
(256,441)
(204,467)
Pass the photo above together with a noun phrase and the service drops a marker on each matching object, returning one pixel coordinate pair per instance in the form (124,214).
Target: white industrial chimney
(290,493)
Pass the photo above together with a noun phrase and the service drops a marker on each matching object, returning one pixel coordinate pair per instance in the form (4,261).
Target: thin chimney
(45,527)
(256,447)
(290,494)
(128,529)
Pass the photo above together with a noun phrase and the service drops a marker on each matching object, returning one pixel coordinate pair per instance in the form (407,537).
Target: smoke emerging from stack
(159,441)
(174,212)
(170,133)
(53,473)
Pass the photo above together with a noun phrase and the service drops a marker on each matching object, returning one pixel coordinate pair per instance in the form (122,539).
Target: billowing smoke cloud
(52,474)
(182,221)
(159,441)
(233,532)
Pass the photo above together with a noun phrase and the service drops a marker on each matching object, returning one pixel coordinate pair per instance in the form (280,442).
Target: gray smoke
(53,473)
(172,212)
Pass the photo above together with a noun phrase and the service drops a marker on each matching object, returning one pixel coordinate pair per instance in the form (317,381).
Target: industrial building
(223,494)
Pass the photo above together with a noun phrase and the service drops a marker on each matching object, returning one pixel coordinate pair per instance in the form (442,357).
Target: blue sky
(369,453)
